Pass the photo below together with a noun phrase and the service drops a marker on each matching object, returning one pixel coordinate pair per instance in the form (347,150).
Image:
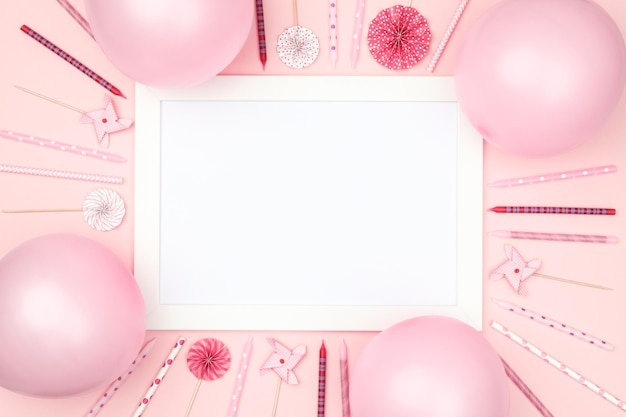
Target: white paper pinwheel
(283,360)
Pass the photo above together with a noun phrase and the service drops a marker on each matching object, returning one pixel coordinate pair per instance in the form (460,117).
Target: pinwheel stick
(193,397)
(295,12)
(43,210)
(50,99)
(569,281)
(280,381)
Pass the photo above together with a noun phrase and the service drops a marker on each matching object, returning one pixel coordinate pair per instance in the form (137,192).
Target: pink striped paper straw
(115,385)
(357,32)
(68,175)
(446,37)
(554,176)
(550,360)
(519,383)
(240,380)
(156,382)
(76,16)
(556,325)
(60,146)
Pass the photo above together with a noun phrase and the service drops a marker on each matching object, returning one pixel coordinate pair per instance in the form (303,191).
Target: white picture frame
(150,105)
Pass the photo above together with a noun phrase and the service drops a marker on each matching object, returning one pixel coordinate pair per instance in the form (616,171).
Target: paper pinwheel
(208,359)
(105,121)
(283,360)
(516,271)
(398,37)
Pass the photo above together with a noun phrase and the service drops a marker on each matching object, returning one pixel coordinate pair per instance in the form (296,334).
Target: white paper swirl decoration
(104,209)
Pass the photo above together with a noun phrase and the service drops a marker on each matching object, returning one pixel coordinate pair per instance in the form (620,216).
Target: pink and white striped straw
(115,385)
(76,16)
(60,146)
(559,365)
(521,385)
(446,37)
(156,382)
(556,325)
(68,175)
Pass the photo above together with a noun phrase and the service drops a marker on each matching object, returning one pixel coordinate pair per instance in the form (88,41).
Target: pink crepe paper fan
(208,359)
(398,37)
(297,46)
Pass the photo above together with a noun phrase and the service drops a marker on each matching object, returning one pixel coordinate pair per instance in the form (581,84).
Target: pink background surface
(598,312)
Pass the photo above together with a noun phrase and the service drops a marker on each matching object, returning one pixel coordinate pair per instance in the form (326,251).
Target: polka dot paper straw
(547,321)
(446,37)
(68,175)
(240,380)
(554,176)
(156,382)
(559,365)
(115,385)
(357,32)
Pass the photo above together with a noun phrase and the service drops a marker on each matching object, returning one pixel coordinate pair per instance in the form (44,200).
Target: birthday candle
(555,176)
(345,380)
(76,16)
(332,14)
(562,237)
(521,385)
(554,210)
(115,385)
(558,365)
(357,32)
(321,390)
(60,146)
(240,380)
(547,321)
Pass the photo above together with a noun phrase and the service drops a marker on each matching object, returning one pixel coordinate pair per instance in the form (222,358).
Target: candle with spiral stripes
(321,391)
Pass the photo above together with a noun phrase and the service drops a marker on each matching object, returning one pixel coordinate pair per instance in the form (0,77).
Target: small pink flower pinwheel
(105,121)
(283,360)
(516,270)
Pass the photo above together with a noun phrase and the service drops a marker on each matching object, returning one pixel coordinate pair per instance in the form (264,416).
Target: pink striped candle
(446,37)
(68,175)
(76,16)
(345,380)
(525,390)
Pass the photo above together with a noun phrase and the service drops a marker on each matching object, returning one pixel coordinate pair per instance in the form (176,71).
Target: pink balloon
(541,77)
(170,43)
(429,366)
(72,317)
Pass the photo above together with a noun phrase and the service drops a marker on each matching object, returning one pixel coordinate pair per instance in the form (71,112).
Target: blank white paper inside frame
(307,203)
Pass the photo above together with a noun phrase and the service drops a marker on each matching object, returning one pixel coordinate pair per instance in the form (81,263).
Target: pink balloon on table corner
(168,43)
(540,77)
(429,366)
(73,316)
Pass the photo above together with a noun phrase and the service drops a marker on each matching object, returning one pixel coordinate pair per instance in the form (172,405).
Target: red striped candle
(321,392)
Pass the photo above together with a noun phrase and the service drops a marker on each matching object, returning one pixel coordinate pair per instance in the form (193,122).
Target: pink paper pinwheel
(105,121)
(516,271)
(208,359)
(283,360)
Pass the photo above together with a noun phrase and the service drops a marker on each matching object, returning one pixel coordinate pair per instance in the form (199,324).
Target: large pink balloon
(541,77)
(429,366)
(71,317)
(170,43)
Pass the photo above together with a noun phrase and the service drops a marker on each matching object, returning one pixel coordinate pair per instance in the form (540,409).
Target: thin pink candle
(240,380)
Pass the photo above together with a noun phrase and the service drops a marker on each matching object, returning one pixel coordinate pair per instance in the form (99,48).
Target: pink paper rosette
(208,359)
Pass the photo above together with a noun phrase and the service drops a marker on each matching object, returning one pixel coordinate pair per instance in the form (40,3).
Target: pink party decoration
(398,37)
(208,359)
(105,121)
(429,366)
(72,316)
(170,44)
(283,360)
(540,77)
(516,270)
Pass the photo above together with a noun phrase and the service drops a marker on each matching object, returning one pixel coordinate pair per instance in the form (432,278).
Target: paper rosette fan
(104,209)
(208,359)
(297,46)
(398,37)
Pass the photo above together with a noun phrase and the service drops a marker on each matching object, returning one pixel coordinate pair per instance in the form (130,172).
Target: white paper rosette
(104,209)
